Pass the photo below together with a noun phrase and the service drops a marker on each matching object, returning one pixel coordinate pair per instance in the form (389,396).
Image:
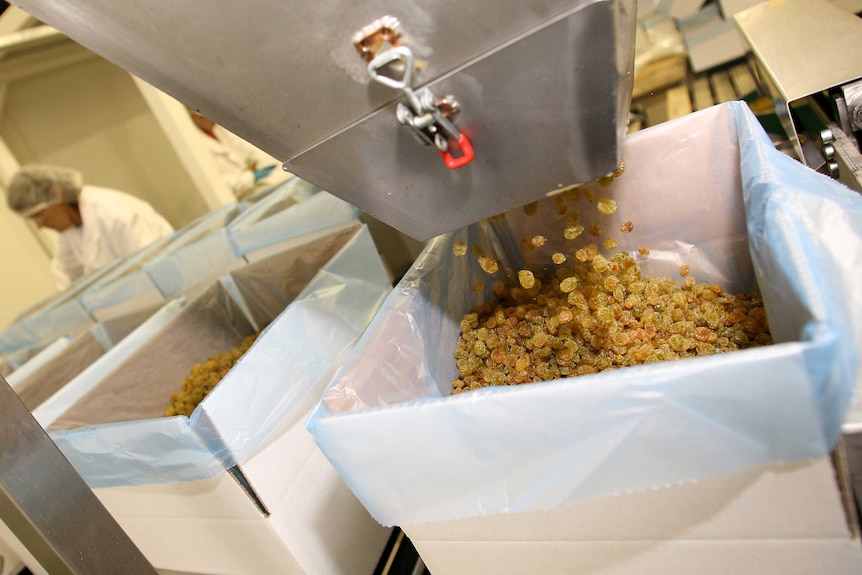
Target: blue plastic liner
(708,191)
(317,299)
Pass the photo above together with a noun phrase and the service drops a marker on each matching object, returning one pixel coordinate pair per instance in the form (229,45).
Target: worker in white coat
(243,167)
(96,225)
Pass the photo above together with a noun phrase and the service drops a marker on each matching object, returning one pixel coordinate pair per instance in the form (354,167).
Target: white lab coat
(114,225)
(237,159)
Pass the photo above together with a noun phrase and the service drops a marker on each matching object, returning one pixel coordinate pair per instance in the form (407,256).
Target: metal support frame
(49,507)
(794,72)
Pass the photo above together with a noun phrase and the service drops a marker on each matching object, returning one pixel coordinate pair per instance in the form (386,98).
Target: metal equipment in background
(817,94)
(541,89)
(426,114)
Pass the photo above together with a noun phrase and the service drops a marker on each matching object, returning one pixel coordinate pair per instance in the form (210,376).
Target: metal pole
(50,508)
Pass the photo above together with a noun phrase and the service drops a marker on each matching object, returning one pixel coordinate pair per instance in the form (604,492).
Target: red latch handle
(465,158)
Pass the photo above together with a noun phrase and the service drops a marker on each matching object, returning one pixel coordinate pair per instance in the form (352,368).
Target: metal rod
(49,507)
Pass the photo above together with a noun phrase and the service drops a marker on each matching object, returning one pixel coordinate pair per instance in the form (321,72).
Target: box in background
(731,7)
(284,218)
(239,487)
(712,40)
(37,385)
(679,9)
(130,287)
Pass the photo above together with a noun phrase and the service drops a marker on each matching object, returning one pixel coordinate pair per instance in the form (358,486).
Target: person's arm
(239,181)
(137,230)
(233,165)
(262,164)
(121,227)
(65,266)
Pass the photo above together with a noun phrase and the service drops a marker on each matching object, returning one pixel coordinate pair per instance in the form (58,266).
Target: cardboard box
(84,380)
(731,7)
(712,40)
(662,468)
(66,313)
(680,9)
(278,221)
(781,519)
(240,486)
(131,287)
(68,357)
(300,518)
(41,380)
(660,54)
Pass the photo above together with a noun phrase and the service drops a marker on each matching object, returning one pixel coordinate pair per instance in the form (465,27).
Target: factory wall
(67,106)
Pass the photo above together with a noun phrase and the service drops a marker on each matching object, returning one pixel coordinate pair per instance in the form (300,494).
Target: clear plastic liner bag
(311,302)
(45,326)
(83,284)
(37,360)
(708,191)
(198,262)
(290,212)
(44,375)
(14,360)
(54,406)
(278,199)
(131,286)
(315,212)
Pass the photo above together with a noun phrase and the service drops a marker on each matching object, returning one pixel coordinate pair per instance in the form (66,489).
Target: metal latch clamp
(427,116)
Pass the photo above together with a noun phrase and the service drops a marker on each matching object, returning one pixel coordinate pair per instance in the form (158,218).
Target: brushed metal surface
(286,77)
(50,509)
(283,75)
(802,47)
(541,112)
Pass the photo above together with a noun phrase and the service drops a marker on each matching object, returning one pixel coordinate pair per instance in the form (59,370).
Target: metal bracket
(427,116)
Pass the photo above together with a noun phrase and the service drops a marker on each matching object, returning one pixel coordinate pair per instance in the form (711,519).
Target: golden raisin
(606,206)
(572,232)
(598,317)
(569,284)
(204,377)
(526,279)
(489,265)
